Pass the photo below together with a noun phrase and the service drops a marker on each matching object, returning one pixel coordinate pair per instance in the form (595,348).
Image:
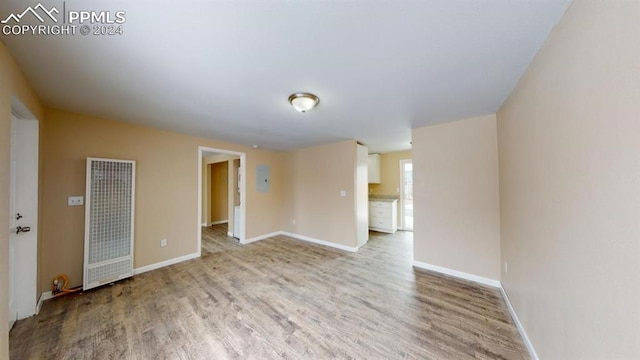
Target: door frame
(401,202)
(242,184)
(21,113)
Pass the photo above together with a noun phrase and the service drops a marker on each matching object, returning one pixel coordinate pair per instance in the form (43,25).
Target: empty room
(289,179)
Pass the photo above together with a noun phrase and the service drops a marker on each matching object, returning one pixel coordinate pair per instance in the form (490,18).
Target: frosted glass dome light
(303,102)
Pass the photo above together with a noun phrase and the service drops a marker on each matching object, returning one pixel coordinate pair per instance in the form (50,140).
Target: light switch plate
(343,193)
(75,200)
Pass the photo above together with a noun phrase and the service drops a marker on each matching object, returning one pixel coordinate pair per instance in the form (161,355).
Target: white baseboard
(43,297)
(300,237)
(229,233)
(215,223)
(261,237)
(319,242)
(525,338)
(458,274)
(48,295)
(162,264)
(490,282)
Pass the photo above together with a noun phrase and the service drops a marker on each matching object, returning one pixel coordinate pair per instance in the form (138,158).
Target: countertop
(387,198)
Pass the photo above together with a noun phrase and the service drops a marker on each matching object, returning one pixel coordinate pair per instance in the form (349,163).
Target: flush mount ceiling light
(303,102)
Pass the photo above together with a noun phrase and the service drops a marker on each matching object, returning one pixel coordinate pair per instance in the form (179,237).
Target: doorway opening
(221,191)
(406,195)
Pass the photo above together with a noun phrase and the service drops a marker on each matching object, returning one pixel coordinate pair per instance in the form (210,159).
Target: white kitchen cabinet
(383,215)
(374,168)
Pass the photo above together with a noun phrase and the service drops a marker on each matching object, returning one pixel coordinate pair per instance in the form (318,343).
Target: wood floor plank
(278,299)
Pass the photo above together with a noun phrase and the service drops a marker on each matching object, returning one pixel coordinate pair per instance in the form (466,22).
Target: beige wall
(219,191)
(264,209)
(235,168)
(12,83)
(389,173)
(456,204)
(204,196)
(166,189)
(314,179)
(569,140)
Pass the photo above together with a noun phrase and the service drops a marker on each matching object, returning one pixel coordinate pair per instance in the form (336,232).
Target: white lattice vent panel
(107,273)
(109,221)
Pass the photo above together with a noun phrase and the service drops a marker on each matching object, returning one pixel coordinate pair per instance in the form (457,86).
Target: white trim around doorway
(401,199)
(243,190)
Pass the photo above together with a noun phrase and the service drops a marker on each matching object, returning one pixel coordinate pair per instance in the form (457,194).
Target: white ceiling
(224,69)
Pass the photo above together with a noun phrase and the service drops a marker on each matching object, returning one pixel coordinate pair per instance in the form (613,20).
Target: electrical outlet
(343,193)
(506,267)
(163,242)
(75,200)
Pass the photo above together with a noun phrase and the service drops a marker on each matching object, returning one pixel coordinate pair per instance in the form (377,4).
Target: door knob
(20,229)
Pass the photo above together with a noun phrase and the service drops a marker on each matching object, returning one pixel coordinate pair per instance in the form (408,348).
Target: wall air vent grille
(109,214)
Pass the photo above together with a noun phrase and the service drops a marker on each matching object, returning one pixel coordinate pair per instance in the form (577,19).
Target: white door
(23,222)
(406,195)
(237,210)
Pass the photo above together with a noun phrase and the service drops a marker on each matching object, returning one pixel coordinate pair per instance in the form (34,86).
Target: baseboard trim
(43,297)
(48,295)
(523,334)
(215,223)
(458,274)
(161,264)
(319,242)
(490,282)
(299,237)
(260,237)
(229,233)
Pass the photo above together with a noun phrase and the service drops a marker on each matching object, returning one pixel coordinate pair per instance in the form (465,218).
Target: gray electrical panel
(263,179)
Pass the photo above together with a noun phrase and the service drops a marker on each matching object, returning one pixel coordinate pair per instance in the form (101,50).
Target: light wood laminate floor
(277,299)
